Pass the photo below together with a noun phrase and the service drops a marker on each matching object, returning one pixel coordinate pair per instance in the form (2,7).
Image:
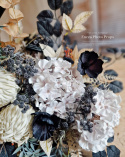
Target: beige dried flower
(15,126)
(8,88)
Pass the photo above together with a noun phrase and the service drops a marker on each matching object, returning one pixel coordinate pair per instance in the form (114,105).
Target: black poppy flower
(90,64)
(44,125)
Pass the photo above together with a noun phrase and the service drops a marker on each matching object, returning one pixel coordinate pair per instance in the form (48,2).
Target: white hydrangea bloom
(106,110)
(8,88)
(97,140)
(57,85)
(107,107)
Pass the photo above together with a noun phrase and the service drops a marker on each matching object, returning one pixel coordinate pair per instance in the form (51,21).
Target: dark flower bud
(44,125)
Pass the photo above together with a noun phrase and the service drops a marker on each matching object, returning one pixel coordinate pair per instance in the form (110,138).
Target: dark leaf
(67,7)
(44,28)
(45,15)
(69,60)
(111,73)
(73,45)
(112,50)
(67,40)
(42,31)
(50,43)
(111,139)
(1,11)
(55,4)
(113,151)
(108,59)
(33,48)
(47,26)
(7,150)
(116,86)
(57,30)
(123,50)
(99,154)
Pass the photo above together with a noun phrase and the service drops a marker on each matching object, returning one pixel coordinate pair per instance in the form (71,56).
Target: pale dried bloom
(15,126)
(8,88)
(57,85)
(97,140)
(106,109)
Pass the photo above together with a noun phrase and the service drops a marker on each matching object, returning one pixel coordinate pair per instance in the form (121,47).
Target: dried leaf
(5,3)
(60,52)
(14,2)
(22,35)
(83,50)
(78,28)
(12,29)
(82,18)
(72,139)
(67,22)
(75,55)
(47,146)
(8,3)
(47,51)
(16,14)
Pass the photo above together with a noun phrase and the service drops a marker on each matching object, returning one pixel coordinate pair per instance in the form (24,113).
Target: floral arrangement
(54,99)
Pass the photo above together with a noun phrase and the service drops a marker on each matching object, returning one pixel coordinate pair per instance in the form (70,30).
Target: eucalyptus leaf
(99,154)
(110,140)
(111,72)
(123,50)
(57,29)
(55,4)
(7,150)
(67,7)
(108,59)
(113,151)
(112,50)
(17,150)
(32,146)
(45,15)
(21,154)
(116,86)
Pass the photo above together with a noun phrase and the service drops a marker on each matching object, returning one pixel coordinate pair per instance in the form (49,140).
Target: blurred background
(106,27)
(107,21)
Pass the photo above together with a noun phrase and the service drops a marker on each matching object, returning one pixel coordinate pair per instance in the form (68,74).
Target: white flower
(8,88)
(15,126)
(57,86)
(106,111)
(107,107)
(97,140)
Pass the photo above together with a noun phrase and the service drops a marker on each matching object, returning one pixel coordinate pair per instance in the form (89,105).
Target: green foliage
(29,149)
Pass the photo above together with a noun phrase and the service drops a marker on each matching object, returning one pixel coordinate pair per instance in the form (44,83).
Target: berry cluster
(84,107)
(23,68)
(69,120)
(87,125)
